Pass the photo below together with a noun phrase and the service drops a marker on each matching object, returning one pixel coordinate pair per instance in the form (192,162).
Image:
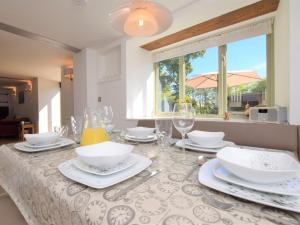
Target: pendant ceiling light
(141,18)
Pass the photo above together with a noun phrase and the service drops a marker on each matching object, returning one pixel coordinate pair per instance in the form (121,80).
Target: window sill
(238,120)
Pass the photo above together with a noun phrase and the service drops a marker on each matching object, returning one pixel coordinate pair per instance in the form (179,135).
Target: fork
(231,207)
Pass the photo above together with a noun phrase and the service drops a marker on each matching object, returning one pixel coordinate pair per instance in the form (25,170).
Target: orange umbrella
(210,80)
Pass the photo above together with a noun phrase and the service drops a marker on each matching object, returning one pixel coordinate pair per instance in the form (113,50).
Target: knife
(134,185)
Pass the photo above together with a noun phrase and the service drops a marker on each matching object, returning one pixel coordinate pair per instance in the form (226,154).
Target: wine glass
(183,119)
(77,127)
(107,117)
(62,131)
(163,132)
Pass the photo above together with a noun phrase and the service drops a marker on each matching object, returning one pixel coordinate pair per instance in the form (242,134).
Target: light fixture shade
(141,18)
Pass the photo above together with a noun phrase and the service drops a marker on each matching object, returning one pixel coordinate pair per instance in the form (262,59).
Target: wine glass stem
(183,142)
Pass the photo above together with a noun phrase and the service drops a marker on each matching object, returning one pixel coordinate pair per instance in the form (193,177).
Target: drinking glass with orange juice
(93,131)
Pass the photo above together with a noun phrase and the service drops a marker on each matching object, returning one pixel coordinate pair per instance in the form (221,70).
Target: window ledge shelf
(238,120)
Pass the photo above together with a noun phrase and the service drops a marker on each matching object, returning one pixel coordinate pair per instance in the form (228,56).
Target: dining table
(173,196)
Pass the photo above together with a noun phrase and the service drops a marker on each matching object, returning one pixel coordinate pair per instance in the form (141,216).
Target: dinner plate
(150,138)
(207,178)
(63,142)
(131,160)
(26,144)
(95,181)
(289,187)
(218,145)
(189,145)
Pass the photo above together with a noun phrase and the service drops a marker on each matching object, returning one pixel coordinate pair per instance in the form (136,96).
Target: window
(246,73)
(168,86)
(228,78)
(201,86)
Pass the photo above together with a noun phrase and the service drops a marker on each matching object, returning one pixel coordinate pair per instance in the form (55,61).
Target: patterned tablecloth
(173,197)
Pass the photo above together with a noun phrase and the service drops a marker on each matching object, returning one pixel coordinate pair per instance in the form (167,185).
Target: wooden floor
(9,213)
(4,141)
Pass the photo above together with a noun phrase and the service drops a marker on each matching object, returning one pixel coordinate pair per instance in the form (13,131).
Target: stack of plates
(103,165)
(146,139)
(27,147)
(213,148)
(283,193)
(203,141)
(140,134)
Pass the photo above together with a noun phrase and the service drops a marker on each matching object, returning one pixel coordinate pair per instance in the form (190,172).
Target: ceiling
(26,57)
(66,21)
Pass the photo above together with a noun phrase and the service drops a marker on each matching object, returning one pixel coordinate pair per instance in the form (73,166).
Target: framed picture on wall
(21,97)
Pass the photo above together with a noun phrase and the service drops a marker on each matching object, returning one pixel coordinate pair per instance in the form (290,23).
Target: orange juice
(93,136)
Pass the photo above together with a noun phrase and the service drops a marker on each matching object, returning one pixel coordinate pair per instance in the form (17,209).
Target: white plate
(288,187)
(189,145)
(131,160)
(95,181)
(150,138)
(62,143)
(218,145)
(207,178)
(26,144)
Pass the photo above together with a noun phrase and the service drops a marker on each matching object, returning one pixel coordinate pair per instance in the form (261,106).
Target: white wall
(294,59)
(85,80)
(48,104)
(287,55)
(113,92)
(140,81)
(67,99)
(93,70)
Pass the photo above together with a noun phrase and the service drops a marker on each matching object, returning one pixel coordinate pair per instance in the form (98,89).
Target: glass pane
(168,84)
(246,73)
(201,87)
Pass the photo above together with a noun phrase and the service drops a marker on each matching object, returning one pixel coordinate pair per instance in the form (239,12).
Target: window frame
(222,85)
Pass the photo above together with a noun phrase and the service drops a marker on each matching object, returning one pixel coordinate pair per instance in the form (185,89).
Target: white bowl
(258,166)
(41,139)
(140,132)
(104,155)
(204,138)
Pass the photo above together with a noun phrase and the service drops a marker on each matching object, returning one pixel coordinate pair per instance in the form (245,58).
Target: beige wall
(294,57)
(281,51)
(27,108)
(30,106)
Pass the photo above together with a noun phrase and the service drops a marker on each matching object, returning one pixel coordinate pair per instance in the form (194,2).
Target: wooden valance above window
(245,13)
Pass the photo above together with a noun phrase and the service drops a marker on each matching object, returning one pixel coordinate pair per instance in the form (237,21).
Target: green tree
(169,78)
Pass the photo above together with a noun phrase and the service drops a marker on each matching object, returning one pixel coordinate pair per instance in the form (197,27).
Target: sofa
(10,127)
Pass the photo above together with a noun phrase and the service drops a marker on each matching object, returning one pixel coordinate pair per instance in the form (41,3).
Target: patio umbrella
(233,79)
